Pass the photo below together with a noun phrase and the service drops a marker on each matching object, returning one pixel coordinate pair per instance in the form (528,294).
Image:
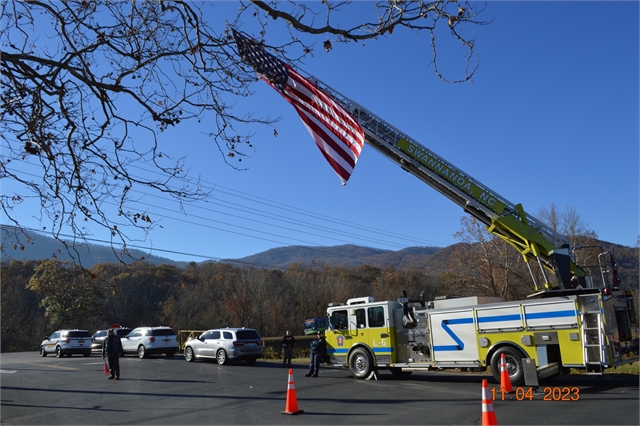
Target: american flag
(337,134)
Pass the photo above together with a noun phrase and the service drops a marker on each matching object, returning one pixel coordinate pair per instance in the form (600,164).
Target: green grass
(622,369)
(628,369)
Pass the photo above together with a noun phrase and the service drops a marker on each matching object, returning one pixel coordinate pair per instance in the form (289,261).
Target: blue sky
(551,117)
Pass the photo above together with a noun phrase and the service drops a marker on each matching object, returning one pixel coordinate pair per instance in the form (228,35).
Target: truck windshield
(313,325)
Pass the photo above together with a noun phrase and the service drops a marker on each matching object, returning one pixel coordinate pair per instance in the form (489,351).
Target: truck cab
(362,334)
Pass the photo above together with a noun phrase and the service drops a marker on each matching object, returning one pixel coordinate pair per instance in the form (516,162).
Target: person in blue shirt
(112,347)
(318,349)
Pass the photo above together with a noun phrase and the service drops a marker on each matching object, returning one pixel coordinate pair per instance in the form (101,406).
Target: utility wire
(263,201)
(279,217)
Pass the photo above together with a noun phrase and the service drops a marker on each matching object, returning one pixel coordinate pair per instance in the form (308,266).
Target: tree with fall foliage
(22,316)
(68,292)
(485,265)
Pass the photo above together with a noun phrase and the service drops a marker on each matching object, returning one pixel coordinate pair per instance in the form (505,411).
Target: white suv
(67,342)
(150,340)
(223,344)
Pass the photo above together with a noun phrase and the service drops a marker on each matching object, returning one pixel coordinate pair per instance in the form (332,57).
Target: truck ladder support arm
(533,239)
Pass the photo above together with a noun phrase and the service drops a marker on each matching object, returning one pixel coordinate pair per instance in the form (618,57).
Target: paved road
(74,391)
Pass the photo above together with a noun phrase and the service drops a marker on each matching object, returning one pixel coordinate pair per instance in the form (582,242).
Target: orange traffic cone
(106,369)
(292,400)
(488,415)
(505,381)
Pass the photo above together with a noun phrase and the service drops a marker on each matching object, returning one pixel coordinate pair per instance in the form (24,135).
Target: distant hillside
(429,260)
(344,255)
(42,247)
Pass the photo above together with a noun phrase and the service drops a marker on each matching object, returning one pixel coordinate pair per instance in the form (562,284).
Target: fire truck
(578,317)
(586,330)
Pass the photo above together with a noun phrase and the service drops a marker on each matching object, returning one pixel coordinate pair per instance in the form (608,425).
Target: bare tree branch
(88,87)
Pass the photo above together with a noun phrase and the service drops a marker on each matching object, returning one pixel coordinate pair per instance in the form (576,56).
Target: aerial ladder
(599,334)
(585,326)
(538,244)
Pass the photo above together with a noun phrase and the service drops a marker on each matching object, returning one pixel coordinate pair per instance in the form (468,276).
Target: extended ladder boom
(533,239)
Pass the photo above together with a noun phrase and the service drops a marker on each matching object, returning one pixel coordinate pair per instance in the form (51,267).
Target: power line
(295,210)
(231,261)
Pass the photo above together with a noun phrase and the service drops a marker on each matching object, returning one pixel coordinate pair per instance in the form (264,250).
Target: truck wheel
(513,359)
(360,364)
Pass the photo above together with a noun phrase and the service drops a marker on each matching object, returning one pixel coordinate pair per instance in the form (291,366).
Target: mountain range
(429,260)
(40,247)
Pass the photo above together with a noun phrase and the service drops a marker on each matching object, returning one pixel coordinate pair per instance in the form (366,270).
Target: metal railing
(185,335)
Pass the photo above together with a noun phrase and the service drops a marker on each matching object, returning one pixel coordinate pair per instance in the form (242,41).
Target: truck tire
(513,359)
(360,364)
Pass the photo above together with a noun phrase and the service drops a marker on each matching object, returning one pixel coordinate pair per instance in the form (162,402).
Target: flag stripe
(329,138)
(343,169)
(336,133)
(343,136)
(328,131)
(318,126)
(342,120)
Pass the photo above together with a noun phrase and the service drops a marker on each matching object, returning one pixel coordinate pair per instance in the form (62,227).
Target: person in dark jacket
(112,347)
(288,342)
(318,349)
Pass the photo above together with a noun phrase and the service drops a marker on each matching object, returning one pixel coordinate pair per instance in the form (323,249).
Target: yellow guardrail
(185,335)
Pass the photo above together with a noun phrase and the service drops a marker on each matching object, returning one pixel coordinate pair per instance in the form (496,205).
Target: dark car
(98,337)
